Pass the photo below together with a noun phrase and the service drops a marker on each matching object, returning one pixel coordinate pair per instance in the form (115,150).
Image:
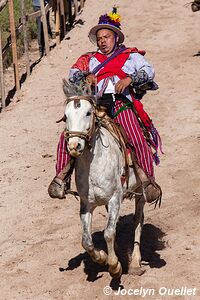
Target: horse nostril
(78,146)
(74,146)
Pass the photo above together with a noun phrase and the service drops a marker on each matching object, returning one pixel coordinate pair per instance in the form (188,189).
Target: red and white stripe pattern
(136,138)
(135,135)
(63,156)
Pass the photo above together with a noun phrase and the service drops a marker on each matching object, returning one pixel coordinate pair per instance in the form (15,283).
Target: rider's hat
(108,21)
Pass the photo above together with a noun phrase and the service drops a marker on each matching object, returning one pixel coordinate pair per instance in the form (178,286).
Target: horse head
(79,116)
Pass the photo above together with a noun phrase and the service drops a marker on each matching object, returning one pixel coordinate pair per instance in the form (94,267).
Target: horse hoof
(115,272)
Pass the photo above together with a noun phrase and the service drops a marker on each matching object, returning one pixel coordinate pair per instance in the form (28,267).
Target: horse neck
(102,145)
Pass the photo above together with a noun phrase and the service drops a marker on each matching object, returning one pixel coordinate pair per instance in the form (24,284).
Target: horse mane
(82,88)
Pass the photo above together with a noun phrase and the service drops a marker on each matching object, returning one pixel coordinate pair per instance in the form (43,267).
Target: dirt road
(40,242)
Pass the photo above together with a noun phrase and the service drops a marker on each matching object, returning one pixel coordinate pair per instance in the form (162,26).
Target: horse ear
(87,89)
(67,88)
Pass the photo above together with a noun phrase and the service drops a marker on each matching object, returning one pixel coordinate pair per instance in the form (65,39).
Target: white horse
(98,170)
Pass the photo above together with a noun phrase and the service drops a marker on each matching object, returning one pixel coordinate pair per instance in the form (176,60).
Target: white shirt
(135,63)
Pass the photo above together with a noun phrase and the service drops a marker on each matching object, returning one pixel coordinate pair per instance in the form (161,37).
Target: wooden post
(70,15)
(76,8)
(63,20)
(58,23)
(2,77)
(23,17)
(81,3)
(44,24)
(14,44)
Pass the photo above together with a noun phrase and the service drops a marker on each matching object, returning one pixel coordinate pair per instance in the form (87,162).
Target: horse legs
(115,268)
(86,218)
(139,218)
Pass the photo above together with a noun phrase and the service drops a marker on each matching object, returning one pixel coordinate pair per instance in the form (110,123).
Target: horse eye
(88,113)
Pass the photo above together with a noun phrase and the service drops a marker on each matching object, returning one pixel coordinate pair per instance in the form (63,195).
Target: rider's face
(106,40)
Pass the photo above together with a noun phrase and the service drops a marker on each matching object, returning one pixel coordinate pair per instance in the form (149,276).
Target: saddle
(117,131)
(145,186)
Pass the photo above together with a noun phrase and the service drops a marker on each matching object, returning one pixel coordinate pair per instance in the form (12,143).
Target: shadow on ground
(197,54)
(151,242)
(12,92)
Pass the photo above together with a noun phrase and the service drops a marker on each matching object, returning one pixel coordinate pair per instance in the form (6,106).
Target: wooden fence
(64,12)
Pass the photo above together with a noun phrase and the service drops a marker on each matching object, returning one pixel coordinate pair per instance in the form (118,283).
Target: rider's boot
(151,190)
(61,183)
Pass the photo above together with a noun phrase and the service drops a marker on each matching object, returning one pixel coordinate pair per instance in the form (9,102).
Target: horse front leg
(86,217)
(135,264)
(115,268)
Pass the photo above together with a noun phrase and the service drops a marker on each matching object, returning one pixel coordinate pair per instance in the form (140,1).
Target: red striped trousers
(135,135)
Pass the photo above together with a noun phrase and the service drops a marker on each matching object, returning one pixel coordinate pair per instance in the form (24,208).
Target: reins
(86,135)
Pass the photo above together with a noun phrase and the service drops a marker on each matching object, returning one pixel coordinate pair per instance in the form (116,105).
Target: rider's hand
(122,84)
(91,79)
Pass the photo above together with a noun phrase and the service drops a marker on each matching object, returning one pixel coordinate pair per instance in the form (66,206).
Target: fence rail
(64,12)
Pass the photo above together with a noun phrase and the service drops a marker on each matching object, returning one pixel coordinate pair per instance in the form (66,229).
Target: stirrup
(56,188)
(152,192)
(68,190)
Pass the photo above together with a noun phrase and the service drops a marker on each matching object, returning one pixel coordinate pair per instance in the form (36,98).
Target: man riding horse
(119,77)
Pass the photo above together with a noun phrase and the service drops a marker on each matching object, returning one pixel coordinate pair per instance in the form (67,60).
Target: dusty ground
(40,242)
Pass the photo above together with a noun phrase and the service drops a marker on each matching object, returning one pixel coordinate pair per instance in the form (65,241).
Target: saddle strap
(120,137)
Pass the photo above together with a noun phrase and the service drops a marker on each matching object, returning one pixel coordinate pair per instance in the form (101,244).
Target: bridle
(86,135)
